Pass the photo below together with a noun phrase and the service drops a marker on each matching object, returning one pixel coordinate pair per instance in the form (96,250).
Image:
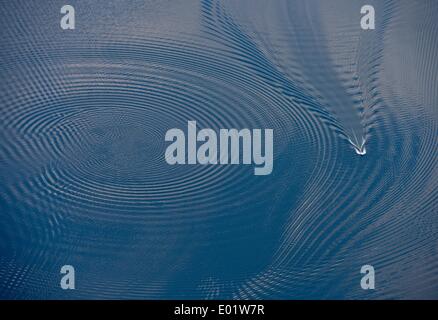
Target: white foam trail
(358,147)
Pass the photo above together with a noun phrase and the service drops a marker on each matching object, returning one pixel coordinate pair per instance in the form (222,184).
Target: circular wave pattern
(85,181)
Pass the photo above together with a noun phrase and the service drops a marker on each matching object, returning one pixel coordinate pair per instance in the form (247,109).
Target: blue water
(84,182)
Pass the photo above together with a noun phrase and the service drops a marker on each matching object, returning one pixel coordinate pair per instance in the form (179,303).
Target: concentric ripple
(84,114)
